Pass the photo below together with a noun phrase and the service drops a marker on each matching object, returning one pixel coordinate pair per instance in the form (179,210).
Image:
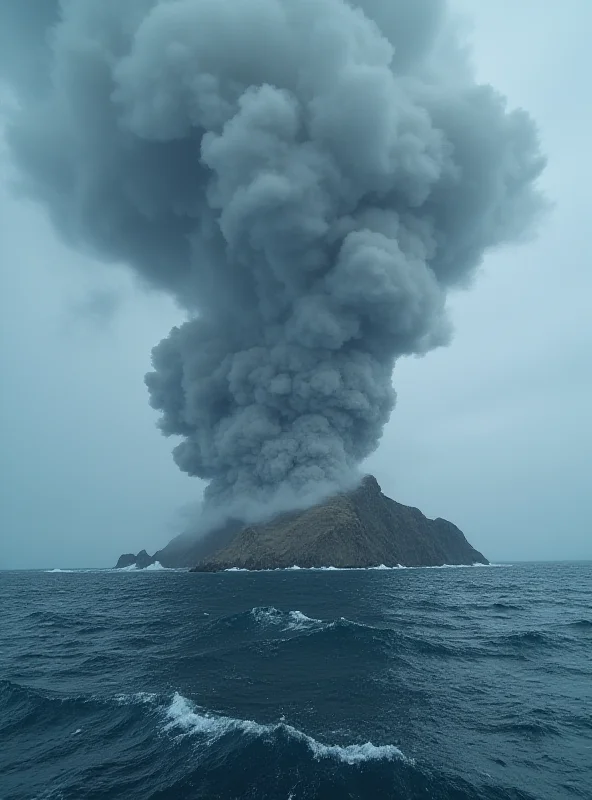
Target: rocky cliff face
(126,560)
(141,561)
(360,528)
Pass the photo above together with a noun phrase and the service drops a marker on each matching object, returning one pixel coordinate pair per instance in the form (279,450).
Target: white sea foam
(136,697)
(299,621)
(365,569)
(155,567)
(298,616)
(60,570)
(183,716)
(314,569)
(267,615)
(290,620)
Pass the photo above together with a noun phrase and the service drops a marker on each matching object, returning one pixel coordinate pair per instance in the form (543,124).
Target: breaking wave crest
(183,716)
(288,620)
(286,629)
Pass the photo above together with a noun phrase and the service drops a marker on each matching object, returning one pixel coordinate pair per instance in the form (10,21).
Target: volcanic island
(359,528)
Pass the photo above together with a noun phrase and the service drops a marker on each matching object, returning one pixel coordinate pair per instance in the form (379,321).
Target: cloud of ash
(308,178)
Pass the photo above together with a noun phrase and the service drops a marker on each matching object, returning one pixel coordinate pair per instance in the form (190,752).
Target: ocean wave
(582,624)
(182,715)
(528,639)
(526,727)
(339,632)
(289,620)
(374,641)
(54,619)
(25,707)
(59,570)
(135,698)
(13,691)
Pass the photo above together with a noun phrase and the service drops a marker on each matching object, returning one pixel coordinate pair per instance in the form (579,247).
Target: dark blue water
(428,683)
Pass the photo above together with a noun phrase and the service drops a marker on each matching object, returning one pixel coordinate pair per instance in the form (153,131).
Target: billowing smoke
(308,178)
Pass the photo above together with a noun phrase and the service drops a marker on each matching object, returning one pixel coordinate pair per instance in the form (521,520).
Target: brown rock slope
(361,528)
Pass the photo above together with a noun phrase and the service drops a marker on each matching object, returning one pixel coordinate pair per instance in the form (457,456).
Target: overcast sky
(492,433)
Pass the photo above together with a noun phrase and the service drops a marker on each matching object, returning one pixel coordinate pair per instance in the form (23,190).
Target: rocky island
(359,528)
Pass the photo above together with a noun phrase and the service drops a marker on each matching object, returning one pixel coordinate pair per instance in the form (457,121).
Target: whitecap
(182,715)
(299,621)
(291,620)
(147,698)
(298,616)
(266,615)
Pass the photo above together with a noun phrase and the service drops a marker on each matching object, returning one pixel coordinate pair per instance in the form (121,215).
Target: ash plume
(308,178)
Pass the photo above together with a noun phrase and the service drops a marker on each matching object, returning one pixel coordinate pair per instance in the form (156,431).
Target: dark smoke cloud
(307,178)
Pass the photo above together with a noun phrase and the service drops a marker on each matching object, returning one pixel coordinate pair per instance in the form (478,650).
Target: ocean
(448,684)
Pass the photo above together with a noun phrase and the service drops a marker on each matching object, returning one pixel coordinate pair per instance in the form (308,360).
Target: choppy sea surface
(419,683)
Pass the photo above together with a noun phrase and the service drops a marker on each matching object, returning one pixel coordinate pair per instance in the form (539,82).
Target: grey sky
(492,433)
